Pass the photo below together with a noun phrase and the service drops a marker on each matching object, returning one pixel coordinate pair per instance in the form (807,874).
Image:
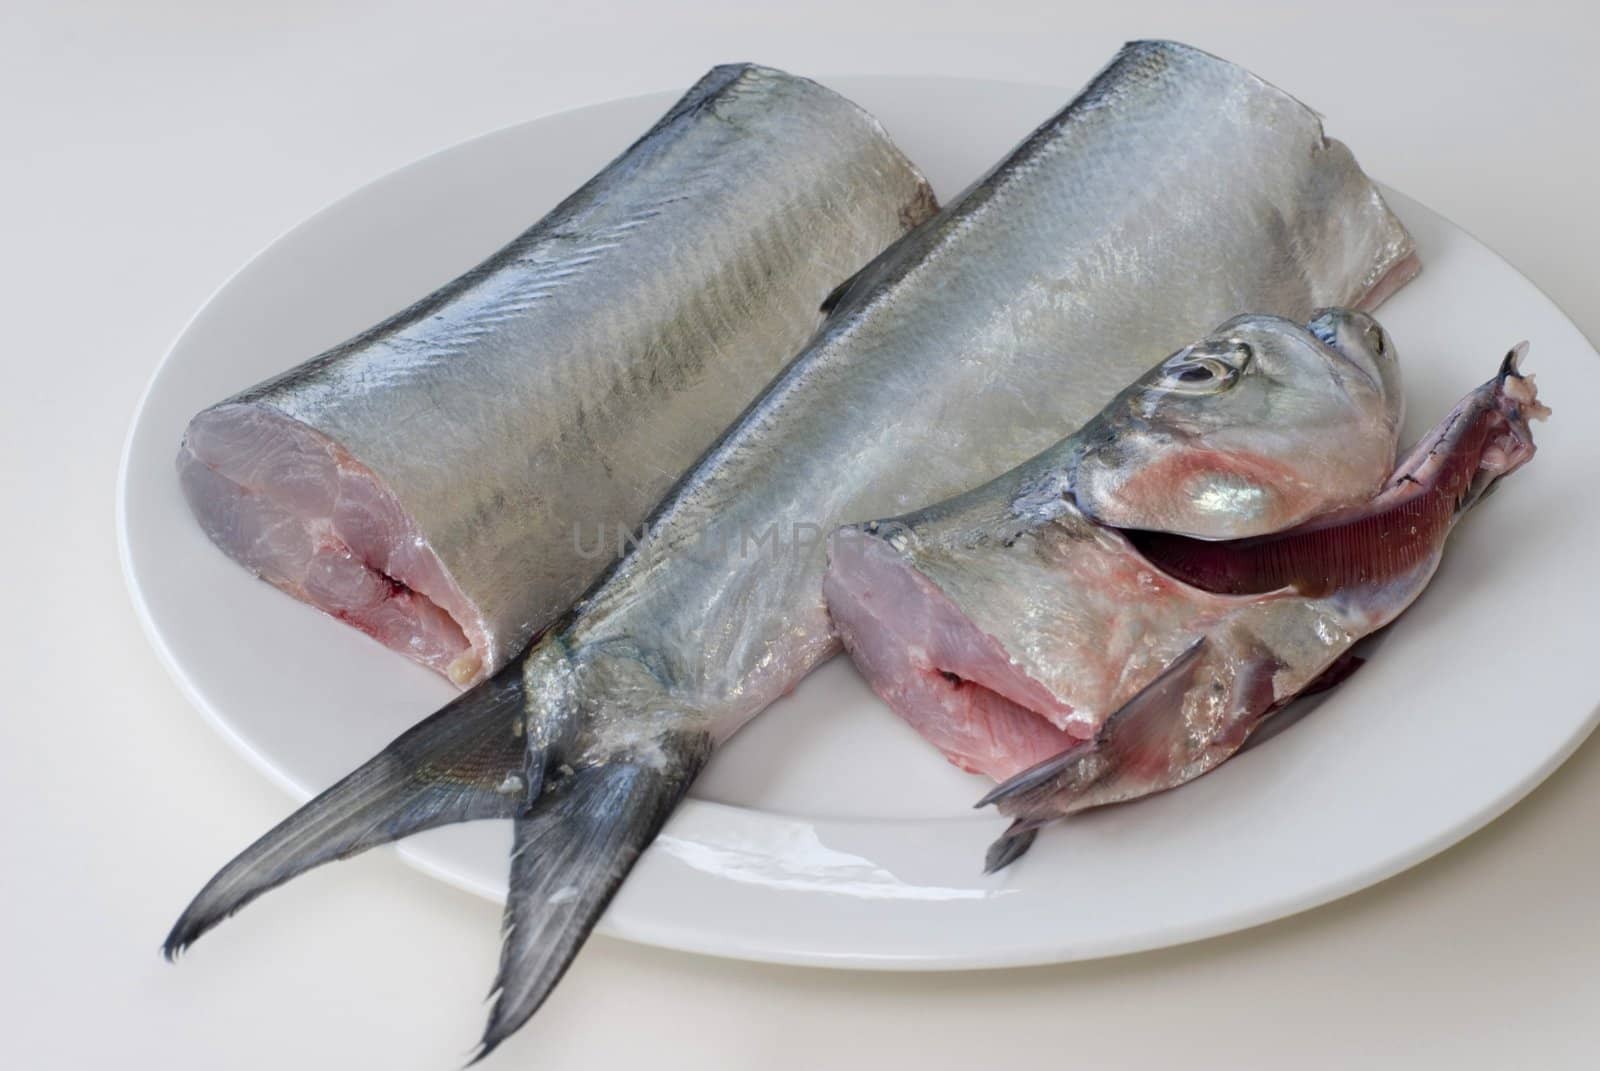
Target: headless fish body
(1175,190)
(1082,665)
(442,480)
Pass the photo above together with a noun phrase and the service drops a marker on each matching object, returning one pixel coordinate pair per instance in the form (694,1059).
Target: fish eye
(1199,375)
(1376,340)
(1197,371)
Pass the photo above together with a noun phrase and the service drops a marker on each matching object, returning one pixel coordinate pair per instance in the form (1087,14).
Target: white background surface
(151,150)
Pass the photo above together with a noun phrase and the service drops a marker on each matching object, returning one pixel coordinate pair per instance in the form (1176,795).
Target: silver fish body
(1121,229)
(1174,192)
(445,479)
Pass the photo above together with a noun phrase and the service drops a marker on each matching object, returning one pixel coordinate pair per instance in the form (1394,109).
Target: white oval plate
(827,833)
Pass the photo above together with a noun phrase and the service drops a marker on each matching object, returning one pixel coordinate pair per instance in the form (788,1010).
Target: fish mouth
(298,511)
(1377,370)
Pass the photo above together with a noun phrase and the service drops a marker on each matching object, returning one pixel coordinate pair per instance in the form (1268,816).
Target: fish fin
(1038,774)
(573,849)
(836,295)
(1122,738)
(1011,845)
(466,762)
(862,279)
(913,217)
(1339,670)
(1282,714)
(1512,364)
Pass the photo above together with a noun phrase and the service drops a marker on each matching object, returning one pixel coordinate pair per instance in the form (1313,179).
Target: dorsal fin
(837,294)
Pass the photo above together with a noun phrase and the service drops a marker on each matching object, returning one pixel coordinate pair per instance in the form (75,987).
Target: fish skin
(446,480)
(1079,671)
(980,338)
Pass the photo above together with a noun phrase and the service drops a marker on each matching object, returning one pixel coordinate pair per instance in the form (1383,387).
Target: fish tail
(573,848)
(584,808)
(466,762)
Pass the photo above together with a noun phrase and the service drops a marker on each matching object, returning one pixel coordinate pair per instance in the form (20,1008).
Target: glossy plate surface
(828,833)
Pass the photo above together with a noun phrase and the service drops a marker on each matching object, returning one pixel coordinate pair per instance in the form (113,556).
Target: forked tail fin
(579,827)
(573,848)
(467,761)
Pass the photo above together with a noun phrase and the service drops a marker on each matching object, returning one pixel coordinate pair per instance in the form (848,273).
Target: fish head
(1259,426)
(1375,555)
